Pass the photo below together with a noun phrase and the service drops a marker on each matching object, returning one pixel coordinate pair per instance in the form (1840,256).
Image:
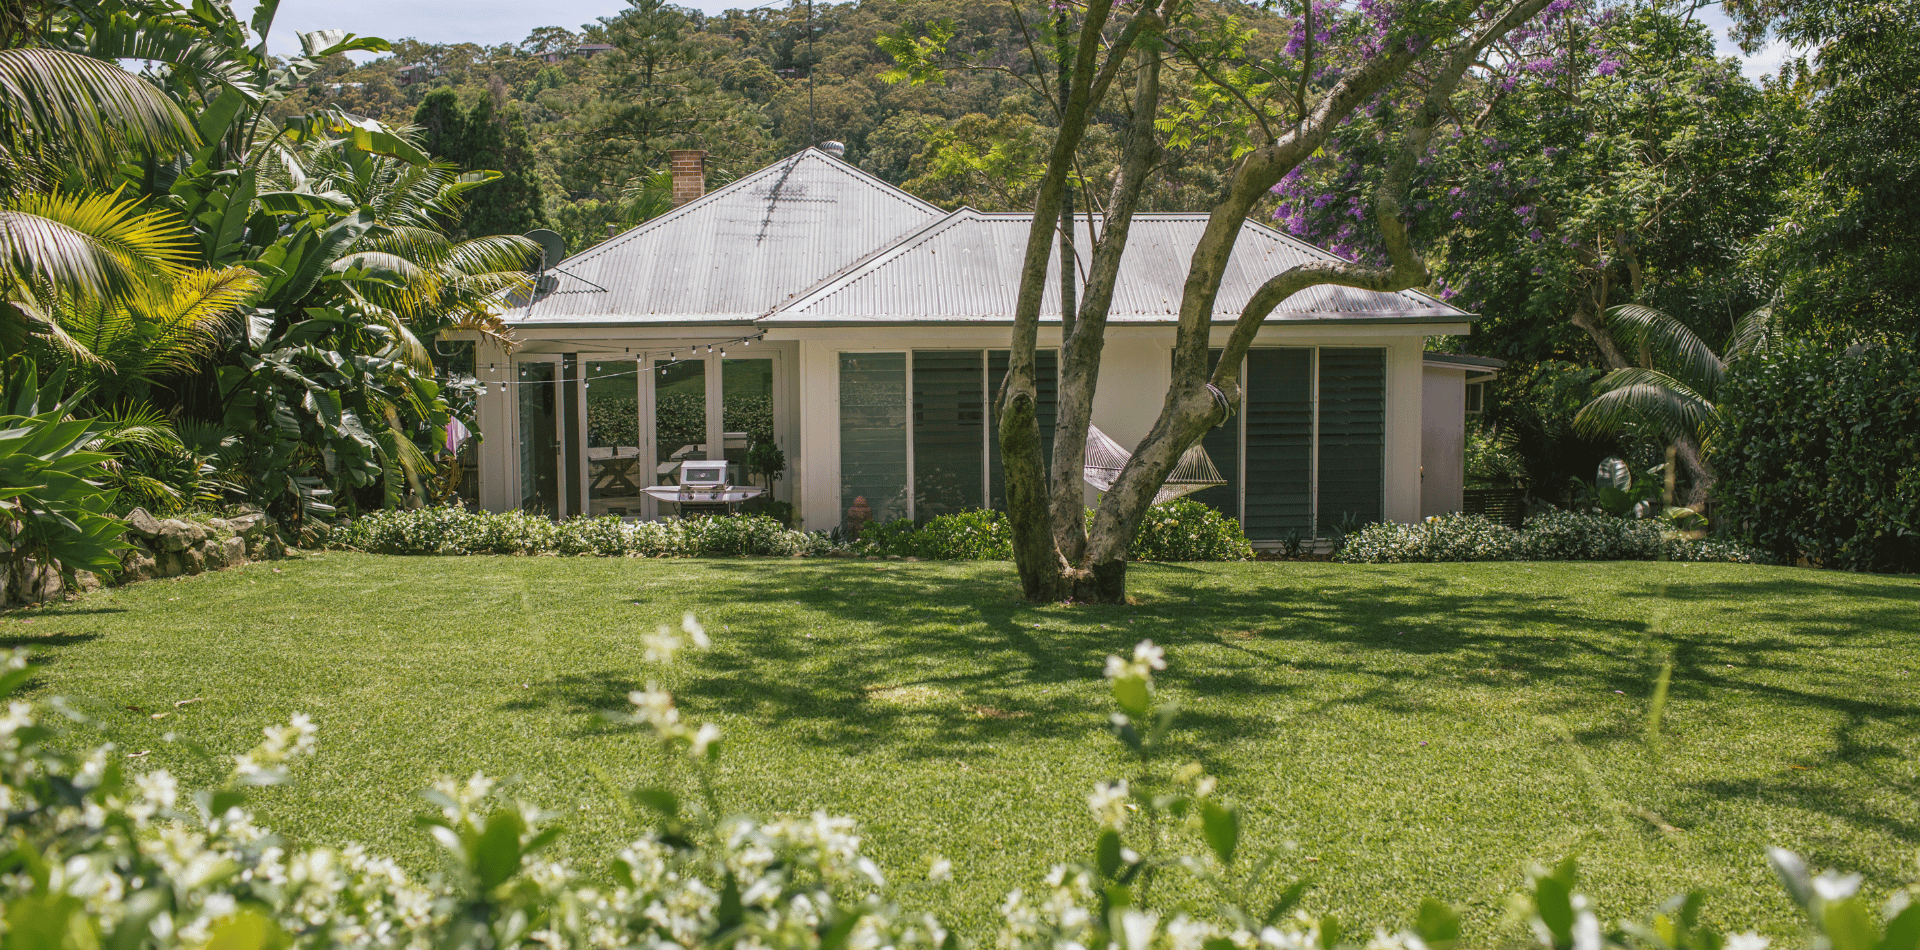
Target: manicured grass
(1413,730)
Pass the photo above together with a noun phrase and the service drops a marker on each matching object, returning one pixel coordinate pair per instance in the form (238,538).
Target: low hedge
(454,530)
(1558,536)
(1180,530)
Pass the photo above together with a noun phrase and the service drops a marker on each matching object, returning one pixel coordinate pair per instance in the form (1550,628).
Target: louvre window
(1353,430)
(1307,450)
(1279,443)
(873,435)
(918,435)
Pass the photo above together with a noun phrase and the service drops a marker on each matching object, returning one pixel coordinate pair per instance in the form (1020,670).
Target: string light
(672,358)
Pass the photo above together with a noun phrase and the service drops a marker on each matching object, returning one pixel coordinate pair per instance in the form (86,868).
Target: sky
(491,22)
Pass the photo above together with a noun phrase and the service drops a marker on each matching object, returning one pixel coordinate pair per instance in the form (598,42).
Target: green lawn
(1413,730)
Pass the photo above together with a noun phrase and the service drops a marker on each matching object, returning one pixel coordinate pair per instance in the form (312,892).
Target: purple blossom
(1535,235)
(1607,67)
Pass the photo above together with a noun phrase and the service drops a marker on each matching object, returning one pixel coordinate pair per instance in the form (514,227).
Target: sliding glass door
(537,397)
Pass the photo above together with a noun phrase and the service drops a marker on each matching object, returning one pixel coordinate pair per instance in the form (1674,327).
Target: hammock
(1194,472)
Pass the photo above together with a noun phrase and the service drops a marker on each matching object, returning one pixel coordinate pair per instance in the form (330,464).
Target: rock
(175,535)
(140,566)
(219,525)
(913,559)
(139,522)
(192,561)
(33,583)
(276,549)
(252,525)
(236,550)
(168,564)
(895,557)
(86,581)
(256,551)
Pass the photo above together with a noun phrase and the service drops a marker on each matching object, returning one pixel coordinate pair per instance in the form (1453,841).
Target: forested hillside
(593,126)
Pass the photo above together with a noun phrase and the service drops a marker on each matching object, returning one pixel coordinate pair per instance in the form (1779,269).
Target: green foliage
(1492,456)
(1558,536)
(52,505)
(1817,460)
(977,535)
(1180,530)
(455,530)
(1186,530)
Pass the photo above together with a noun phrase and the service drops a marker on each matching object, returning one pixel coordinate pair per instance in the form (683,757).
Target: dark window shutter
(1353,427)
(1279,442)
(949,428)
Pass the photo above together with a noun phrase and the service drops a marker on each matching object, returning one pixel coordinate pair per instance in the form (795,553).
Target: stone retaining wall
(166,547)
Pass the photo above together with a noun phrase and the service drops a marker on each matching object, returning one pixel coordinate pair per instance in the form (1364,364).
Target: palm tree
(62,115)
(1675,398)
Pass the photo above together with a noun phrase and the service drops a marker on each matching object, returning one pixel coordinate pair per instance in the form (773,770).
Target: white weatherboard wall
(1443,440)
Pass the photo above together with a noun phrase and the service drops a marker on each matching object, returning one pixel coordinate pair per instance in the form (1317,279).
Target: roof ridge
(787,164)
(905,242)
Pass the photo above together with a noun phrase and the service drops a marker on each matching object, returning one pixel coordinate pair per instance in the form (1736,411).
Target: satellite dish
(553,247)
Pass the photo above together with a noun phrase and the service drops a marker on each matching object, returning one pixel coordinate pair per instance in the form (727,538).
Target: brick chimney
(689,174)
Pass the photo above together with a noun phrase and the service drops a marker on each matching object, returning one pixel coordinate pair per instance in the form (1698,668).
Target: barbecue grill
(704,489)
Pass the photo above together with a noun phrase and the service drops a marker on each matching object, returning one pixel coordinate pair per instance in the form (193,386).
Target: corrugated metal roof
(813,240)
(966,268)
(734,253)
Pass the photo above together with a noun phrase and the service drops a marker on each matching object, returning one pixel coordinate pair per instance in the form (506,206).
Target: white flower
(1151,656)
(1746,941)
(1833,886)
(708,734)
(1109,804)
(942,870)
(695,632)
(1138,928)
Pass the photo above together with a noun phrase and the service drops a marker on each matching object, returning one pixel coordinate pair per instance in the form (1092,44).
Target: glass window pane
(538,395)
(949,431)
(679,418)
(615,467)
(1353,433)
(746,413)
(873,438)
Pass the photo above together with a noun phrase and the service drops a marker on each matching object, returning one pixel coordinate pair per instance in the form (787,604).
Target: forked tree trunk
(1197,399)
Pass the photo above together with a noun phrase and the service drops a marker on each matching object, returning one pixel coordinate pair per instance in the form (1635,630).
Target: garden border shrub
(1820,455)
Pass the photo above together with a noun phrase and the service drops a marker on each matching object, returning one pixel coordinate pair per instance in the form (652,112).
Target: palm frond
(89,111)
(1670,342)
(98,244)
(498,252)
(186,323)
(135,426)
(1754,333)
(1650,398)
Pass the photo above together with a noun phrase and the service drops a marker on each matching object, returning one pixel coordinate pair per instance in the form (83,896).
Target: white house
(864,331)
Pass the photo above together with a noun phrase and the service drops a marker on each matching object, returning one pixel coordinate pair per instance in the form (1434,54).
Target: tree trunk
(1199,396)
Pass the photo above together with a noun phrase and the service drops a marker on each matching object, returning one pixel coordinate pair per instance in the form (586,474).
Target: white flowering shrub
(454,530)
(95,857)
(1557,536)
(1186,530)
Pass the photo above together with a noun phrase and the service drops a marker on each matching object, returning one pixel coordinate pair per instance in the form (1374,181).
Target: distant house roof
(1484,364)
(811,240)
